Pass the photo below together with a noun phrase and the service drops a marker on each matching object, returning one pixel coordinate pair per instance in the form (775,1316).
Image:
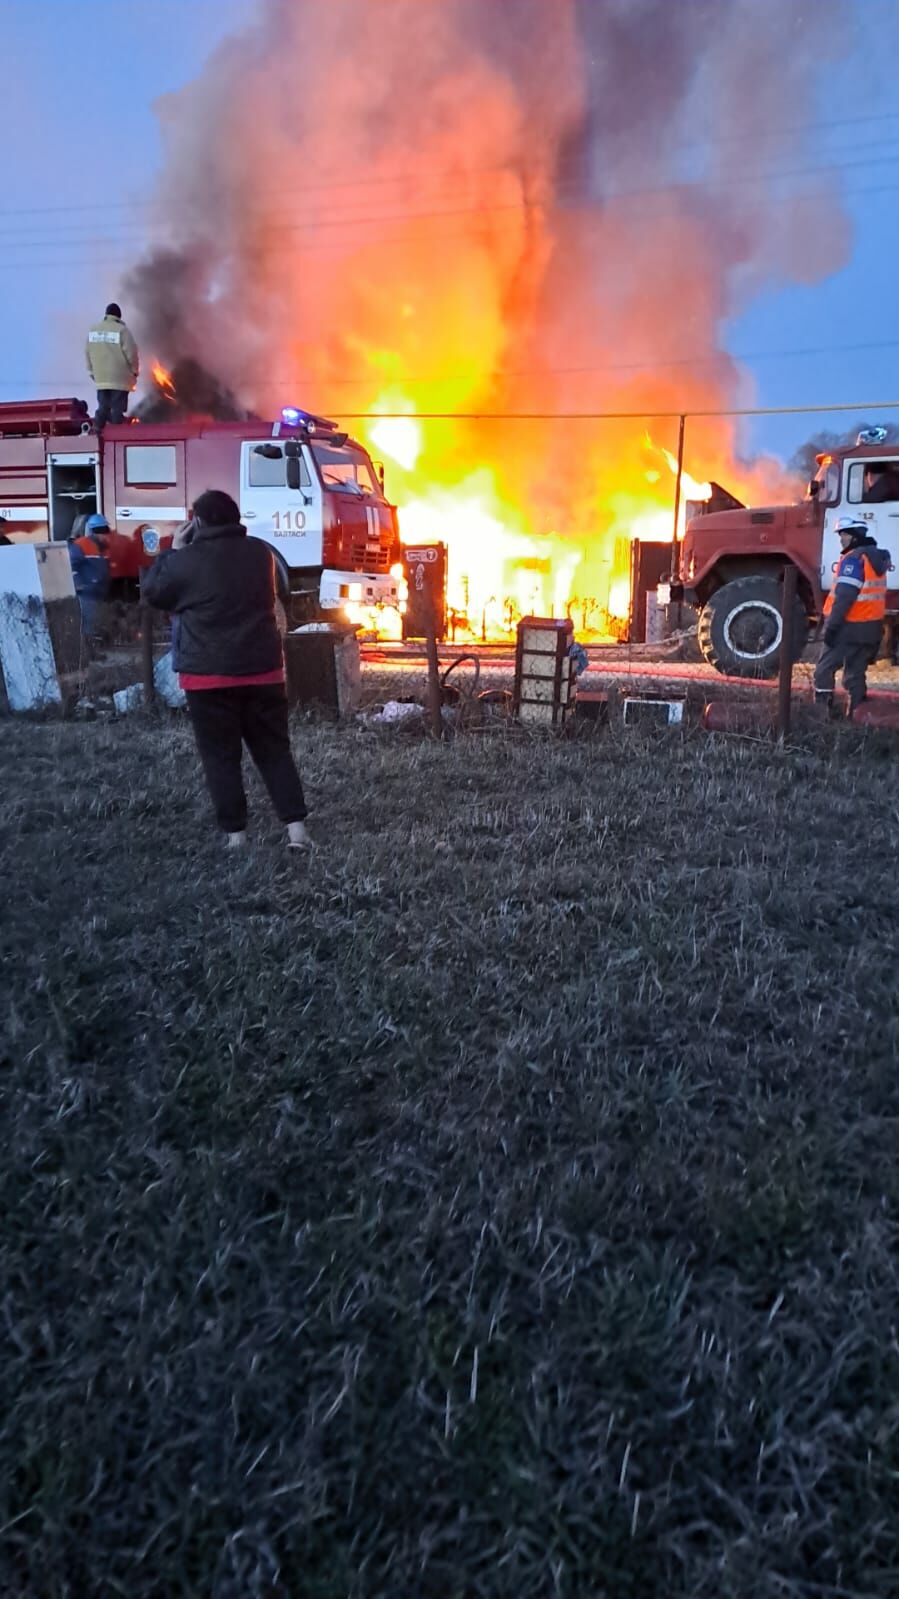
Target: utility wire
(369,379)
(117,257)
(455,175)
(649,414)
(129,230)
(562,192)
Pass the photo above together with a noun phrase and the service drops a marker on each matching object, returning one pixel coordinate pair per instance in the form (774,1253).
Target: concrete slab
(27,660)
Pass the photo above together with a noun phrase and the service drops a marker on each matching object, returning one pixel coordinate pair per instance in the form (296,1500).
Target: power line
(367,380)
(119,256)
(564,191)
(452,175)
(261,253)
(649,413)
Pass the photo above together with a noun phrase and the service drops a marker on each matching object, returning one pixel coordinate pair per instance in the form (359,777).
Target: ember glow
(690,488)
(163,379)
(559,219)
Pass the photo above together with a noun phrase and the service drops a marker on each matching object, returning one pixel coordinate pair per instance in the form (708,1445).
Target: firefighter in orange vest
(853,614)
(90,571)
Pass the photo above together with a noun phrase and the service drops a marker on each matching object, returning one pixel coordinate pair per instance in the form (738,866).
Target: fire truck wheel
(740,627)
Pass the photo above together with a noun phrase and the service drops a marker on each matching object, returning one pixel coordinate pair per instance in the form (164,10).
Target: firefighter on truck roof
(113,361)
(853,615)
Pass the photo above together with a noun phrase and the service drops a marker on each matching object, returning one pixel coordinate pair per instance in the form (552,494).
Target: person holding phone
(219,586)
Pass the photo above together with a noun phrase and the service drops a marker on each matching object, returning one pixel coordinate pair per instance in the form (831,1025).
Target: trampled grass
(502,1203)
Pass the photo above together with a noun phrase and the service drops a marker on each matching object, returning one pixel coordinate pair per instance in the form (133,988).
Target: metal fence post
(678,615)
(146,657)
(434,711)
(785,678)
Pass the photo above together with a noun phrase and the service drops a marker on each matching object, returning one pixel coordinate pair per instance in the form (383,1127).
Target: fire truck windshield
(345,468)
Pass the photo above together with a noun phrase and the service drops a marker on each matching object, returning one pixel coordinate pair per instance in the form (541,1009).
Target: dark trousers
(224,719)
(854,656)
(90,605)
(111,407)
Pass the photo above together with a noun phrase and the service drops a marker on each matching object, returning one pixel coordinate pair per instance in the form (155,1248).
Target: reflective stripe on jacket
(87,545)
(90,567)
(871,602)
(112,355)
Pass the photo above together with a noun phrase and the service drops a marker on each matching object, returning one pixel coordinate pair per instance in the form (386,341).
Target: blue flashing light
(294,416)
(875,435)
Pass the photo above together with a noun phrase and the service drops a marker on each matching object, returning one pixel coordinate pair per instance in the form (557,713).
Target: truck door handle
(248,516)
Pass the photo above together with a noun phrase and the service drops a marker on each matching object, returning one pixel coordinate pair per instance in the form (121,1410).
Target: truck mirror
(293,472)
(814,488)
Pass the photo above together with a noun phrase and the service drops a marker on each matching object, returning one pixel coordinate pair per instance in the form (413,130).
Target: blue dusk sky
(82,153)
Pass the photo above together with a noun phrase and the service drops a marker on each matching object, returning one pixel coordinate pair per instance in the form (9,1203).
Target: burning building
(435,215)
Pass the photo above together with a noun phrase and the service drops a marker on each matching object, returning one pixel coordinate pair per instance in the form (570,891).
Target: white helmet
(850,524)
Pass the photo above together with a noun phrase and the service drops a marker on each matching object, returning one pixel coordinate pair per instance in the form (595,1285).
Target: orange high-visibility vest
(87,545)
(870,604)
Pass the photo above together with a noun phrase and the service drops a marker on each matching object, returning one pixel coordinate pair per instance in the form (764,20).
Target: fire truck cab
(733,556)
(303,486)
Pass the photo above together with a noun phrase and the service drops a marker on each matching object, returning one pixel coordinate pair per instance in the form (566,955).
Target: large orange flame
(163,379)
(558,220)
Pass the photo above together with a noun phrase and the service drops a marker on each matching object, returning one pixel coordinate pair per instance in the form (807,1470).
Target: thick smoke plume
(189,390)
(490,206)
(804,463)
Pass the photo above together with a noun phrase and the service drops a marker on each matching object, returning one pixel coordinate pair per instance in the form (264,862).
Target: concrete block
(40,628)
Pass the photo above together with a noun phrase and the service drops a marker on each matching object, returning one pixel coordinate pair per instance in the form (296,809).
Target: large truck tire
(740,628)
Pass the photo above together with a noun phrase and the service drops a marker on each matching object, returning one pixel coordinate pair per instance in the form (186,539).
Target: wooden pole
(675,531)
(678,486)
(146,657)
(785,678)
(436,718)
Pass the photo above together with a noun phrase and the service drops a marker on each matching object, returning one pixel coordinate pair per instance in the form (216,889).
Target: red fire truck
(306,488)
(733,556)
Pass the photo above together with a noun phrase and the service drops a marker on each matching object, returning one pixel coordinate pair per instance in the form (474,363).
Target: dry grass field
(501,1203)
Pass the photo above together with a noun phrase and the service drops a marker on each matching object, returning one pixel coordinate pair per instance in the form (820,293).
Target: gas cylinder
(879,710)
(739,716)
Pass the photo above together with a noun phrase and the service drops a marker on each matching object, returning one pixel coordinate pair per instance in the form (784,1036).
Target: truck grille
(361,537)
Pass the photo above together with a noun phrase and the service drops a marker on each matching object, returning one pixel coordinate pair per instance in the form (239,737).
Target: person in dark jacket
(220,587)
(881,484)
(853,615)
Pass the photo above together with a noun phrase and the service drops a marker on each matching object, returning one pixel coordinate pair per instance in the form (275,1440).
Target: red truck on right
(733,556)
